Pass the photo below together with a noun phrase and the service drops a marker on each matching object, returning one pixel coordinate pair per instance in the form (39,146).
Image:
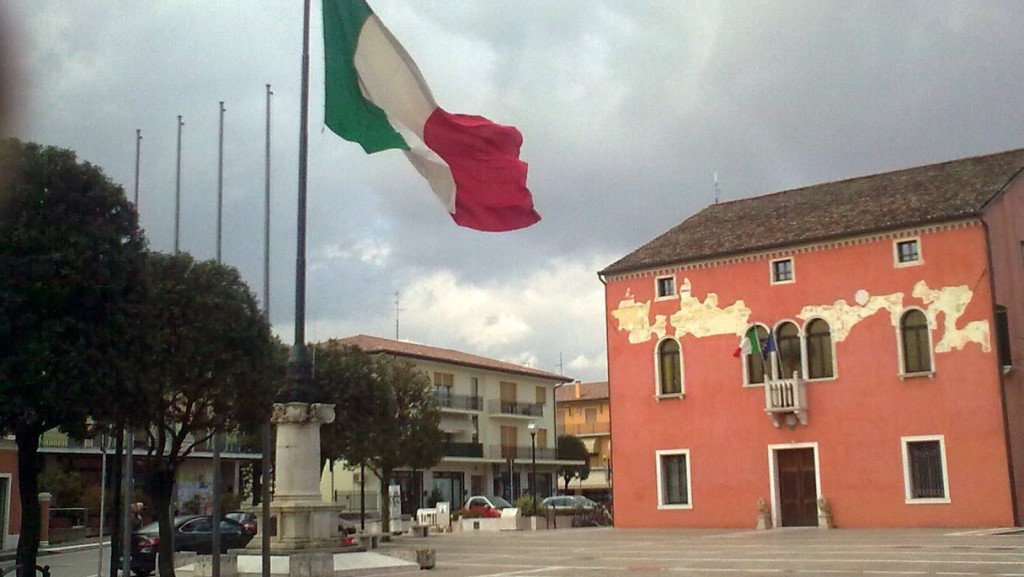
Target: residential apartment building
(877,325)
(497,419)
(584,411)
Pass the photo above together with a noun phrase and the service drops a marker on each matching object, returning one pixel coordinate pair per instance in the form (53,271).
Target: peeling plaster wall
(856,418)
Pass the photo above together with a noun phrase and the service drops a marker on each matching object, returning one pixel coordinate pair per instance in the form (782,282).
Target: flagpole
(177,192)
(300,368)
(218,436)
(265,472)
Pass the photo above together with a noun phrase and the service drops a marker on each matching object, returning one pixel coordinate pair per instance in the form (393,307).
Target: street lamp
(532,427)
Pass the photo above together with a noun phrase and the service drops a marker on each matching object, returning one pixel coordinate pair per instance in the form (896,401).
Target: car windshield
(499,503)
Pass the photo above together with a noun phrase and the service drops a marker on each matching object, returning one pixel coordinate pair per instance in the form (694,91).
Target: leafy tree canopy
(387,416)
(571,448)
(71,258)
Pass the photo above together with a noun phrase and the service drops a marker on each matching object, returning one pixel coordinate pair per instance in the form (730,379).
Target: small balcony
(785,401)
(515,409)
(584,429)
(521,453)
(455,449)
(459,402)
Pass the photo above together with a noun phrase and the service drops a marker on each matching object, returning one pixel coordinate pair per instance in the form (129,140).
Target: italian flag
(376,96)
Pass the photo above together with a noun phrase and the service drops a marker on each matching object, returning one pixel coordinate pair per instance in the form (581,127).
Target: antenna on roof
(398,312)
(717,192)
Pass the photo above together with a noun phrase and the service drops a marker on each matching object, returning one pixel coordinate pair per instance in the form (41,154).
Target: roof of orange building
(587,392)
(930,194)
(374,345)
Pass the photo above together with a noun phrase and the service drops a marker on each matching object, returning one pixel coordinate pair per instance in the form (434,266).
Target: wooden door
(798,490)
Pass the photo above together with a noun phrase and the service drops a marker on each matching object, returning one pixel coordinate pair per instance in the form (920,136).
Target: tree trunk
(385,500)
(29,464)
(163,487)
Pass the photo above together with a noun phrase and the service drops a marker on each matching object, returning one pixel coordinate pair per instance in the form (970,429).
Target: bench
(368,540)
(421,530)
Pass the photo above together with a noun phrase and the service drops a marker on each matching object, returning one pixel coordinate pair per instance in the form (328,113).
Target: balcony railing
(602,428)
(521,453)
(785,400)
(454,449)
(54,439)
(499,407)
(461,402)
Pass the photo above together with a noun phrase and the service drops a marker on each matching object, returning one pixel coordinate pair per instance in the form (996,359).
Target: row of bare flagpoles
(128,483)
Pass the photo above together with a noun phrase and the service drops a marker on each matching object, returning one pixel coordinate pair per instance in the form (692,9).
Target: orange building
(583,411)
(877,324)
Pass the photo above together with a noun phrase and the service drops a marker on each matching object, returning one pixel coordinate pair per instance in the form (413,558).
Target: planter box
(481,524)
(532,523)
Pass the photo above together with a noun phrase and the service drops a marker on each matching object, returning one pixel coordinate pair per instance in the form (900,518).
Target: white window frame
(5,523)
(657,371)
(907,488)
(900,367)
(807,360)
(792,268)
(689,479)
(896,252)
(775,360)
(657,288)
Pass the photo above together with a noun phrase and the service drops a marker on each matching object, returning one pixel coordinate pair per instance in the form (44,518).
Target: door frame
(773,475)
(5,509)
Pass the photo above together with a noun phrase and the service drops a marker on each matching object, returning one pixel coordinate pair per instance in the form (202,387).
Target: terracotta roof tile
(588,392)
(935,193)
(409,350)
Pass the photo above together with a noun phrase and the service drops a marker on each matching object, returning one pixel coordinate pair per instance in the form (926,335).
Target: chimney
(576,386)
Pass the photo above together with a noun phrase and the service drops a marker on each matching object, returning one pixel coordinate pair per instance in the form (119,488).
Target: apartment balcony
(521,453)
(57,442)
(455,449)
(459,402)
(584,429)
(515,409)
(785,401)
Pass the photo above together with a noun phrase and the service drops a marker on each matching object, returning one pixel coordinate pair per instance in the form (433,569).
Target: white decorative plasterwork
(317,413)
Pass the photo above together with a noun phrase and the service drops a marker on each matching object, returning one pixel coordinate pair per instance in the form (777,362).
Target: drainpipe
(1002,378)
(611,488)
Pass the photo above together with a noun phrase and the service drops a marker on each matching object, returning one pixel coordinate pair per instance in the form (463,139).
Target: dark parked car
(190,533)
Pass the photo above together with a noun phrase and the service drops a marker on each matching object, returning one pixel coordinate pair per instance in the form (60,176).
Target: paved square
(601,552)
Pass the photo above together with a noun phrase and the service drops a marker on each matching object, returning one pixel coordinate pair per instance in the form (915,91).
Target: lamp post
(532,427)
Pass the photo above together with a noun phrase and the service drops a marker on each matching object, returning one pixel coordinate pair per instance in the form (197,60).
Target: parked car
(189,533)
(246,518)
(489,505)
(569,503)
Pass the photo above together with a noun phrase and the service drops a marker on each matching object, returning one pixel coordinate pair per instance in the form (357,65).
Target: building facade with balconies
(844,353)
(497,418)
(584,412)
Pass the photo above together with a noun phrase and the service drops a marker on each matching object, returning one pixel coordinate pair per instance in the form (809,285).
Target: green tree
(571,448)
(71,256)
(213,366)
(392,417)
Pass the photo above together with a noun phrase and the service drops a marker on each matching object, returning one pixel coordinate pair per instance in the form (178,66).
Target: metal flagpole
(177,193)
(265,473)
(129,481)
(300,366)
(218,436)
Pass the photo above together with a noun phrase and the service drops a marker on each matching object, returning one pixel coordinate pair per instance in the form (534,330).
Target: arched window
(670,373)
(917,357)
(756,363)
(819,350)
(787,343)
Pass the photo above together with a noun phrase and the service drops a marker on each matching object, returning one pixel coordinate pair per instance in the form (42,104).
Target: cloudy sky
(628,109)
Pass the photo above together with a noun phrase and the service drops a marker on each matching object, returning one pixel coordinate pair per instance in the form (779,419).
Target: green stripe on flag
(346,111)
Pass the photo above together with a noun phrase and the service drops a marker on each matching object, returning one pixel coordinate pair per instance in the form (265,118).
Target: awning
(455,424)
(590,443)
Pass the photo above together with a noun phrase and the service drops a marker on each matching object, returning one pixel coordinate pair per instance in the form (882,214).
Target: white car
(569,502)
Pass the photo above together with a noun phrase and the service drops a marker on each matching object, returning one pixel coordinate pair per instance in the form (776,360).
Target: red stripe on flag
(490,179)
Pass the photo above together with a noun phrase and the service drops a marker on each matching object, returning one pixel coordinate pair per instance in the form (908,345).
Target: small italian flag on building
(376,96)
